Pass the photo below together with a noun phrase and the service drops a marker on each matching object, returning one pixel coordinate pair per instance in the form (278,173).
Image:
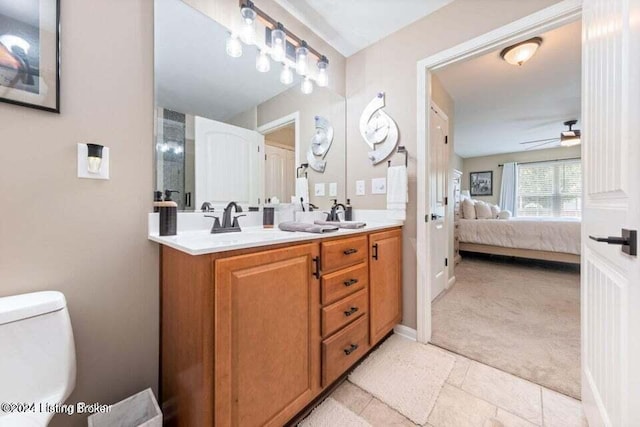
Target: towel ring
(401,149)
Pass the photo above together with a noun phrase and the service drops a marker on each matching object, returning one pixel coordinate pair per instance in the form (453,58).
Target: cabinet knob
(350,251)
(350,282)
(351,311)
(351,349)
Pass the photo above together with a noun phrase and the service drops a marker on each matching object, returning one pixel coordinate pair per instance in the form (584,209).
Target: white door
(279,173)
(439,167)
(611,157)
(228,164)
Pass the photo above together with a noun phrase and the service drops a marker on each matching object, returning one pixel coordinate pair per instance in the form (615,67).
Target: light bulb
(263,64)
(234,46)
(323,77)
(278,43)
(301,59)
(286,75)
(307,86)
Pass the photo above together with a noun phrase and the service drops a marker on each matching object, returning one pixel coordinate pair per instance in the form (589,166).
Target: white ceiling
(195,75)
(498,105)
(352,25)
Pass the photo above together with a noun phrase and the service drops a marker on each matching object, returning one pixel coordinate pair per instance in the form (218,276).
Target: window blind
(550,189)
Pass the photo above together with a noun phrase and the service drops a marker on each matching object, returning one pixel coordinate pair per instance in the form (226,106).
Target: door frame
(547,19)
(282,122)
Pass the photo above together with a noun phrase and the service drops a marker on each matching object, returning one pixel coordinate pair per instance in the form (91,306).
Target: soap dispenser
(168,214)
(348,211)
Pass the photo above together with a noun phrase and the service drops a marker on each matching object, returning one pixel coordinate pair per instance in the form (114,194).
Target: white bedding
(542,234)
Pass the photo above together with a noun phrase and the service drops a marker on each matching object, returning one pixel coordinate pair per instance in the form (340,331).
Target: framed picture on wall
(30,53)
(481,183)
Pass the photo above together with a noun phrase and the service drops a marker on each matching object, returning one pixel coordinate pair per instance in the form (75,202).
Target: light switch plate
(360,188)
(83,171)
(333,189)
(379,186)
(319,189)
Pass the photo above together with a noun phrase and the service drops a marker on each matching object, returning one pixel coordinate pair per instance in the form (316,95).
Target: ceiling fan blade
(540,140)
(544,143)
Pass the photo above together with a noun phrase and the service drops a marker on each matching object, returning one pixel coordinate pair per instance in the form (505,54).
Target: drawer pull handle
(350,282)
(350,251)
(351,311)
(375,251)
(351,349)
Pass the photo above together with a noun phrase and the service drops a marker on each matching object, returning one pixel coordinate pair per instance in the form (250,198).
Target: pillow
(483,210)
(495,211)
(468,209)
(504,215)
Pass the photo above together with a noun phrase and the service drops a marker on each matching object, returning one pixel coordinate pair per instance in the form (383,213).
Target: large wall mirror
(226,132)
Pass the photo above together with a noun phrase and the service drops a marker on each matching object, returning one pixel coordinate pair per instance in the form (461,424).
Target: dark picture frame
(481,183)
(30,54)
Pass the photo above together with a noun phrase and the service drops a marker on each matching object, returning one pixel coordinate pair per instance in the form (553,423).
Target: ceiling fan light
(520,53)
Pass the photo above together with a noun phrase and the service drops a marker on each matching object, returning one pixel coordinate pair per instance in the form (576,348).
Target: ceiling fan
(567,138)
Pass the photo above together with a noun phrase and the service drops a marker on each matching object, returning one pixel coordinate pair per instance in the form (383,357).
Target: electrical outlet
(319,189)
(379,186)
(360,188)
(333,189)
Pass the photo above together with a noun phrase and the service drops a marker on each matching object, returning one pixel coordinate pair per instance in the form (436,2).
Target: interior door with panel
(267,341)
(229,163)
(439,167)
(385,282)
(610,288)
(279,173)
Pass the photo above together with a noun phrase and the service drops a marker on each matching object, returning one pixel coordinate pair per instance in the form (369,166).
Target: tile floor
(474,395)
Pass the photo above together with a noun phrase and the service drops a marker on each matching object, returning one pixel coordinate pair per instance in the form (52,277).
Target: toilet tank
(37,357)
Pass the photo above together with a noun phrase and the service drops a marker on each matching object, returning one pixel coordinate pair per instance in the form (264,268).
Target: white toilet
(37,355)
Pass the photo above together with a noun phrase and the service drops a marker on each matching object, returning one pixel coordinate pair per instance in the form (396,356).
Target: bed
(551,239)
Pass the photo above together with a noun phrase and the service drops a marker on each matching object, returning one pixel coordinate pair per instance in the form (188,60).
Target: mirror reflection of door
(280,163)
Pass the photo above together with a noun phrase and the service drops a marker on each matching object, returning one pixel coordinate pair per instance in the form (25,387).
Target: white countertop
(200,242)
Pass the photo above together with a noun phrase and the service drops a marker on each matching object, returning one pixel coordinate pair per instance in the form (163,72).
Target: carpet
(405,375)
(522,317)
(332,413)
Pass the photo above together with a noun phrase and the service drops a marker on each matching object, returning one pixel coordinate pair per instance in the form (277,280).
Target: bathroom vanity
(251,336)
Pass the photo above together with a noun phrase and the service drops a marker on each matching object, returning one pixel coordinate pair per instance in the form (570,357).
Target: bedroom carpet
(518,316)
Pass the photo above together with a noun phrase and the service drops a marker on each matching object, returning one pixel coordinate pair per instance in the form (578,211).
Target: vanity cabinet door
(385,282)
(267,336)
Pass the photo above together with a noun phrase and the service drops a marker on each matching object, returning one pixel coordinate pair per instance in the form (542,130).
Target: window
(552,189)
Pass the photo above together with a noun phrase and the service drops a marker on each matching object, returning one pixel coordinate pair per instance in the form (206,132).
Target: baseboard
(451,282)
(405,331)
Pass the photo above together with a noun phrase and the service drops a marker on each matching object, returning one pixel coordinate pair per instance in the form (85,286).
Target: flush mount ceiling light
(521,52)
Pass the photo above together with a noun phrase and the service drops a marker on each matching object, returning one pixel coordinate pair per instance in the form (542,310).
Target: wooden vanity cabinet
(253,336)
(385,283)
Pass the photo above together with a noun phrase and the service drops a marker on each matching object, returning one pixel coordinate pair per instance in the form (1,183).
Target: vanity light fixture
(248,32)
(521,52)
(234,46)
(302,53)
(278,43)
(286,75)
(322,78)
(263,65)
(307,86)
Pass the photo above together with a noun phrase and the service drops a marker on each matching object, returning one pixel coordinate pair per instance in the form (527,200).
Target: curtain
(508,187)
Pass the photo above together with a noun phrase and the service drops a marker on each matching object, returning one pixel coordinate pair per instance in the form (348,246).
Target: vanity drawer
(344,312)
(344,252)
(344,282)
(343,349)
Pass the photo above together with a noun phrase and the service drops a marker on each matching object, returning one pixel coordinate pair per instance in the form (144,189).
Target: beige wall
(325,103)
(88,238)
(227,13)
(390,66)
(490,163)
(458,162)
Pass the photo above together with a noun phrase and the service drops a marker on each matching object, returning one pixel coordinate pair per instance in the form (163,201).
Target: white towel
(302,189)
(397,192)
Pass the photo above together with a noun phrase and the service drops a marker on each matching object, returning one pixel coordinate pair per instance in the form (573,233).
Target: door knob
(628,240)
(435,217)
